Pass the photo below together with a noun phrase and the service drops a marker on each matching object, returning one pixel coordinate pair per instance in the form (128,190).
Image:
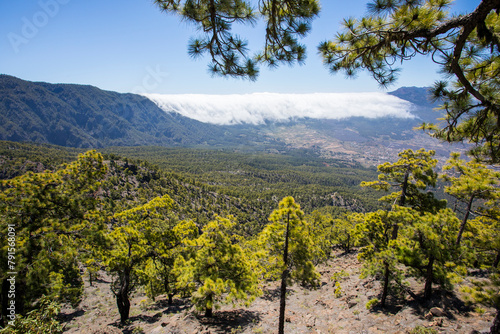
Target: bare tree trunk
(122,300)
(284,277)
(281,327)
(464,221)
(385,290)
(167,289)
(428,279)
(497,260)
(209,310)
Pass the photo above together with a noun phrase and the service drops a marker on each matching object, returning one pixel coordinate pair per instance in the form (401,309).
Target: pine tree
(428,246)
(380,248)
(130,244)
(286,21)
(465,46)
(343,230)
(290,249)
(170,242)
(473,181)
(410,175)
(219,271)
(45,213)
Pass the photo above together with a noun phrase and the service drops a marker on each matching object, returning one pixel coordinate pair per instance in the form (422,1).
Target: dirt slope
(308,311)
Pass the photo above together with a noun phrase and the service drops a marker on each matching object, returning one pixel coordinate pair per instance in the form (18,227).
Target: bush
(39,321)
(423,330)
(371,303)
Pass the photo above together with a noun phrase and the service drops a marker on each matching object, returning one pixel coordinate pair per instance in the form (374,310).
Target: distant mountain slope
(86,116)
(424,107)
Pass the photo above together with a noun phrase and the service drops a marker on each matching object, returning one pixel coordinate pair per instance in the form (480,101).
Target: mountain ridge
(85,116)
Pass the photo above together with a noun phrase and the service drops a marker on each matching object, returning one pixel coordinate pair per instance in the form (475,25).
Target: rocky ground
(308,311)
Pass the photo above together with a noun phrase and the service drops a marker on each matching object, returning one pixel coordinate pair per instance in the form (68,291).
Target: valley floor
(308,311)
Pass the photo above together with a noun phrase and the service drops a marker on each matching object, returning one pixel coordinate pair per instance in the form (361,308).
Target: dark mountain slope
(86,116)
(424,107)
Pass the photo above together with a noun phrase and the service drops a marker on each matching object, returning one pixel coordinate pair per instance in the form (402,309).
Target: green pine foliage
(48,212)
(465,46)
(288,245)
(471,182)
(41,320)
(413,173)
(286,22)
(131,241)
(219,270)
(428,247)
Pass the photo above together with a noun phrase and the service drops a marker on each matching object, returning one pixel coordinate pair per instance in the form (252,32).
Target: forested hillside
(205,180)
(203,229)
(86,116)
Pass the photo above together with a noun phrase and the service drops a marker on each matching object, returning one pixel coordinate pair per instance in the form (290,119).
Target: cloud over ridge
(257,108)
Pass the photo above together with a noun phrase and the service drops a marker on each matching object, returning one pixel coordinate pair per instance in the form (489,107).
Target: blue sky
(130,46)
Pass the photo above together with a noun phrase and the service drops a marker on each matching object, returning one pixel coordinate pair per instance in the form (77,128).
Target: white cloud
(260,107)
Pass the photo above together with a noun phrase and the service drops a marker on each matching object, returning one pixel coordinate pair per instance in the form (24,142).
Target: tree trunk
(284,277)
(385,290)
(464,221)
(123,307)
(497,260)
(209,310)
(495,329)
(402,202)
(170,298)
(348,247)
(394,236)
(281,327)
(428,279)
(122,297)
(166,287)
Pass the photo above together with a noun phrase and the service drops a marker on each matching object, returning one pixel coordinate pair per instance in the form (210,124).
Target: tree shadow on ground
(67,317)
(147,318)
(178,305)
(275,293)
(226,321)
(448,301)
(129,327)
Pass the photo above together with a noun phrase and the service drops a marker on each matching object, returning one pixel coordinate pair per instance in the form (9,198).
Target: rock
(437,323)
(158,330)
(108,330)
(351,304)
(374,330)
(436,312)
(310,321)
